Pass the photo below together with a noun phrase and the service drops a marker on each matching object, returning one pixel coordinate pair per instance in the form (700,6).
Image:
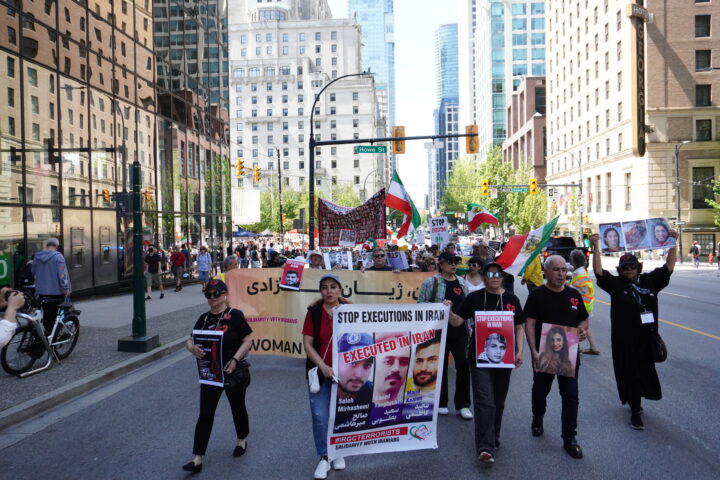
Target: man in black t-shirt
(557,304)
(152,272)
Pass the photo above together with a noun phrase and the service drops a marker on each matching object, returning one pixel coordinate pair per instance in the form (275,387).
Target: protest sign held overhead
(338,260)
(367,220)
(292,274)
(389,364)
(635,235)
(398,260)
(439,231)
(347,238)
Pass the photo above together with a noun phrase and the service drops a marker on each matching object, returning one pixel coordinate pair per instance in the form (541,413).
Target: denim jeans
(320,410)
(457,344)
(542,382)
(490,387)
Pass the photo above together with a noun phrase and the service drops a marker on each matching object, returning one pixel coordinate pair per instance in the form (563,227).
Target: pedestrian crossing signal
(533,186)
(484,188)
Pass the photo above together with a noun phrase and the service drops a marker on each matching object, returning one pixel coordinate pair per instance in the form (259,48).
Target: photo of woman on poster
(635,235)
(611,238)
(557,355)
(660,233)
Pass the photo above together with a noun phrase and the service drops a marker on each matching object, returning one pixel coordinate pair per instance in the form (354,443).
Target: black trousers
(490,388)
(50,310)
(542,382)
(209,398)
(457,343)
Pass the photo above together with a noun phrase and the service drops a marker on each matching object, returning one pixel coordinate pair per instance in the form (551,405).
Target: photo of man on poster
(354,392)
(495,348)
(420,393)
(391,370)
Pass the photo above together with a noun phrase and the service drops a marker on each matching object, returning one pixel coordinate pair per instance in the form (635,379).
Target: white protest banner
(210,367)
(439,231)
(336,259)
(398,260)
(380,404)
(495,339)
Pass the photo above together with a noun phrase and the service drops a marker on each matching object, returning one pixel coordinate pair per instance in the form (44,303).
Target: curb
(19,413)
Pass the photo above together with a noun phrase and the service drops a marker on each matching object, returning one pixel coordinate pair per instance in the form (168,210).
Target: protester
(474,277)
(235,346)
(204,262)
(177,264)
(633,297)
(185,250)
(448,288)
(52,280)
(532,278)
(10,303)
(490,385)
(152,272)
(314,260)
(241,251)
(229,263)
(555,303)
(483,250)
(317,337)
(581,282)
(379,261)
(695,254)
(254,256)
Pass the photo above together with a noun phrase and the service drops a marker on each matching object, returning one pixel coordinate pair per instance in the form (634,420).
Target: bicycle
(30,342)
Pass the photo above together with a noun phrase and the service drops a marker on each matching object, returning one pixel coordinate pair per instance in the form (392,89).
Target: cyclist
(10,302)
(52,281)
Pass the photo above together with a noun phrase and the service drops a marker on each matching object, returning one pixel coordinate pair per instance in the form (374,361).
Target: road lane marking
(699,332)
(675,294)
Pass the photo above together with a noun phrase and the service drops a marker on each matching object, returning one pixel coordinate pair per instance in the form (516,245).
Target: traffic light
(398,146)
(533,186)
(50,146)
(256,174)
(471,143)
(14,155)
(106,195)
(147,194)
(240,167)
(586,219)
(484,188)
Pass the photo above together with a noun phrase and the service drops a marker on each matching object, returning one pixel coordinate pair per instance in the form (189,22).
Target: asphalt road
(141,425)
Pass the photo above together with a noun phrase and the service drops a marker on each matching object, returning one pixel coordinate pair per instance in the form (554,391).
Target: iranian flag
(521,250)
(477,215)
(398,199)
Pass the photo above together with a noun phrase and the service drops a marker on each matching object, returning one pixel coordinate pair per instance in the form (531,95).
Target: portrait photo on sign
(636,235)
(354,383)
(495,339)
(391,369)
(659,233)
(398,260)
(292,274)
(611,237)
(558,350)
(347,238)
(423,382)
(336,259)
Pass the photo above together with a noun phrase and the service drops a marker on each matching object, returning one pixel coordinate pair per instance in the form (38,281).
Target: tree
(713,203)
(526,211)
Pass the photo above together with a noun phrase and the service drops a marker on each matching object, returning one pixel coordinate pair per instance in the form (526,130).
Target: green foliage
(713,203)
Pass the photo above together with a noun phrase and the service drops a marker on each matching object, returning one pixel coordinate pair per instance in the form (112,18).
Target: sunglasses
(629,267)
(451,262)
(473,265)
(379,256)
(493,274)
(213,294)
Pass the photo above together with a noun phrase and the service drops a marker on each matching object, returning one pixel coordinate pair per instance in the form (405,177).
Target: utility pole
(282,233)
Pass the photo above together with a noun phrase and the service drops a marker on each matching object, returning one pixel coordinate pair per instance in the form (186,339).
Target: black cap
(449,257)
(491,264)
(628,259)
(351,341)
(217,285)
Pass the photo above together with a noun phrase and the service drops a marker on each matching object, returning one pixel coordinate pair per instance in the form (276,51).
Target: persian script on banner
(389,364)
(367,220)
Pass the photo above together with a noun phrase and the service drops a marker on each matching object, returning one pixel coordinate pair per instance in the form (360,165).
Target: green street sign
(519,189)
(371,149)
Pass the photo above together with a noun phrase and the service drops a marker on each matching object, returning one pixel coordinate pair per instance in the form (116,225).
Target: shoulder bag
(658,350)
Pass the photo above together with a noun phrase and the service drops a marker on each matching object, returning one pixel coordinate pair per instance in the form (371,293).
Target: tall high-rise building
(446,114)
(590,121)
(376,19)
(280,59)
(79,83)
(510,44)
(467,60)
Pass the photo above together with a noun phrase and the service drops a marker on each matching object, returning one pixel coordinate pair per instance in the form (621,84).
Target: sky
(415,25)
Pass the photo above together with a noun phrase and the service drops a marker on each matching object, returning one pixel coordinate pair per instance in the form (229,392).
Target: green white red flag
(398,199)
(521,250)
(477,215)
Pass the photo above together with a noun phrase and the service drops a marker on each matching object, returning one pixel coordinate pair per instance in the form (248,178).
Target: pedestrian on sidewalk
(557,304)
(633,323)
(187,253)
(204,262)
(448,288)
(177,264)
(490,385)
(11,302)
(695,254)
(235,347)
(254,256)
(52,281)
(229,263)
(581,282)
(152,272)
(317,337)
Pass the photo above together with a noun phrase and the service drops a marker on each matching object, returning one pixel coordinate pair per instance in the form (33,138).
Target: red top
(177,259)
(325,334)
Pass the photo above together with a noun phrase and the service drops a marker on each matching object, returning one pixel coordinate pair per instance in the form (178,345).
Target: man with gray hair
(52,280)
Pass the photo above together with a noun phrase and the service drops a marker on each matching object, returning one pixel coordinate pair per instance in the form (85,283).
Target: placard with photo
(495,339)
(558,350)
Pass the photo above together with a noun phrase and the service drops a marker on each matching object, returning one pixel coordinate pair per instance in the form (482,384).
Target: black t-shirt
(482,300)
(454,292)
(564,308)
(386,268)
(232,322)
(153,261)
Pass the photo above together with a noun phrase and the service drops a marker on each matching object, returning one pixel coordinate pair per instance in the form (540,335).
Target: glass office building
(78,82)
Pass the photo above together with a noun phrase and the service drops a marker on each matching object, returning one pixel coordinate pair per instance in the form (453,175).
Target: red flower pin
(574,302)
(509,307)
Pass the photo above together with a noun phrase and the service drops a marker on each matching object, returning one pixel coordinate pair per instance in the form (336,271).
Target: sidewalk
(96,359)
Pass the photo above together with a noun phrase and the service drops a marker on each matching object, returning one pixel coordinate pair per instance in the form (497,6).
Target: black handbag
(240,377)
(658,350)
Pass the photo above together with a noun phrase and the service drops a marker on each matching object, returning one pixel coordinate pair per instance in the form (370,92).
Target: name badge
(647,317)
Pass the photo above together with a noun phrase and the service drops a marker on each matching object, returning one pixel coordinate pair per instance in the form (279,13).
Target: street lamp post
(678,146)
(365,182)
(311,144)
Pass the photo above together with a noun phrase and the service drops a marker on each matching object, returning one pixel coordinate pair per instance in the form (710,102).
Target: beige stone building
(525,145)
(589,121)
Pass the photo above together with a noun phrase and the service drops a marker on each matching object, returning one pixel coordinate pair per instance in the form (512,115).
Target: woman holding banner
(235,346)
(317,341)
(490,385)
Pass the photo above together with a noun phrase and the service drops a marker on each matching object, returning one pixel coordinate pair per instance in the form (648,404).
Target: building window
(628,191)
(702,96)
(32,77)
(356,163)
(702,25)
(702,178)
(703,130)
(702,60)
(608,192)
(356,180)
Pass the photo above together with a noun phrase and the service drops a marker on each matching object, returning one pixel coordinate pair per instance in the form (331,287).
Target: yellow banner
(277,315)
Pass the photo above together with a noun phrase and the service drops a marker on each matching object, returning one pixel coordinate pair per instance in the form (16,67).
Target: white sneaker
(322,469)
(466,413)
(338,464)
(443,411)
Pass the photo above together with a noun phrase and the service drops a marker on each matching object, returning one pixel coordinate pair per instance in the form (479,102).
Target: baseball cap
(217,285)
(310,253)
(628,259)
(449,257)
(52,241)
(331,276)
(351,341)
(491,264)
